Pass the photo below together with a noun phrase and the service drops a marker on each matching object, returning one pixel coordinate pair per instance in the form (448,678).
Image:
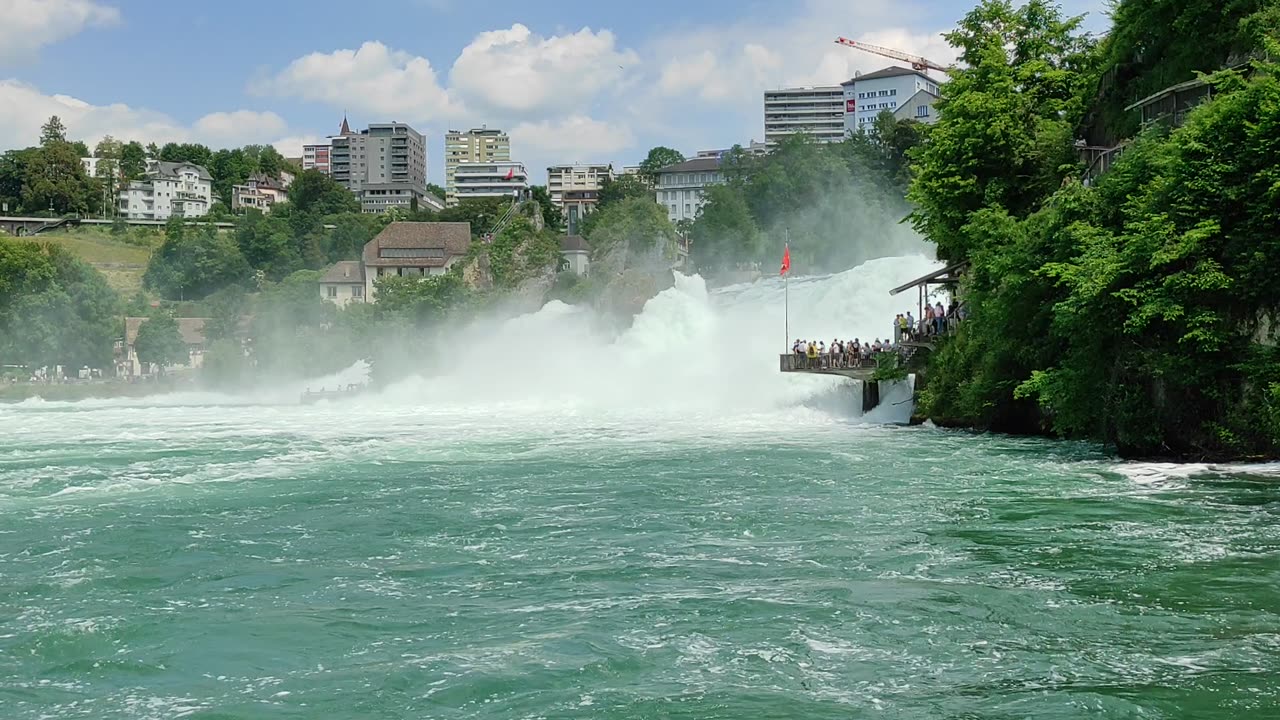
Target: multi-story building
(384,162)
(480,145)
(908,94)
(567,178)
(316,157)
(575,189)
(751,148)
(681,188)
(814,111)
(259,192)
(489,180)
(181,189)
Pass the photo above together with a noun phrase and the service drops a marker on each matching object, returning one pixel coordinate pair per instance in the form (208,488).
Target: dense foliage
(54,309)
(839,203)
(1139,311)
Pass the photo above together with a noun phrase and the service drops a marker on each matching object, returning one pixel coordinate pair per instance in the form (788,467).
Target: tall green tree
(1006,119)
(657,159)
(194,261)
(160,343)
(316,193)
(133,161)
(53,132)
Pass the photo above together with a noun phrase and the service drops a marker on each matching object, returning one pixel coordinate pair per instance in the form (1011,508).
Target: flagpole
(786,292)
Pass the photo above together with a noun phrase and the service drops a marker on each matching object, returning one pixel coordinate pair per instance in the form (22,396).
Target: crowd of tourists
(937,321)
(819,355)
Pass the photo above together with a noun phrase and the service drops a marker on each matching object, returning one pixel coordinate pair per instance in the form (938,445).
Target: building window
(688,210)
(332,290)
(922,111)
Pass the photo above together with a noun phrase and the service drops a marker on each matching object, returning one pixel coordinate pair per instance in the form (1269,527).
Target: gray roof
(344,272)
(694,165)
(452,237)
(170,169)
(887,73)
(574,243)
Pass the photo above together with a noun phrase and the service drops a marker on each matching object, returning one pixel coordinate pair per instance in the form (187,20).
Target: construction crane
(917,62)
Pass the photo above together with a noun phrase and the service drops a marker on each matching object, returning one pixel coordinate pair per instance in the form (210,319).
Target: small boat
(310,396)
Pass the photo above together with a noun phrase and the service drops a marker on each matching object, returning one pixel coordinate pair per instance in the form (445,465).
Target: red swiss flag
(786,261)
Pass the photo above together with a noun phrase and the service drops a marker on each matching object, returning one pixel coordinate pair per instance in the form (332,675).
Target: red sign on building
(850,105)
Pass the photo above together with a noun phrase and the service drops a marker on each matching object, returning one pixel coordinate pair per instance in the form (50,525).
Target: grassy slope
(122,263)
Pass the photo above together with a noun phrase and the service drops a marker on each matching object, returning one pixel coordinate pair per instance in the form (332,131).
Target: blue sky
(571,80)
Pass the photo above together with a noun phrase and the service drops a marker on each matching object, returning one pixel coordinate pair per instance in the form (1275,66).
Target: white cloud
(373,78)
(27,109)
(576,138)
(515,70)
(28,25)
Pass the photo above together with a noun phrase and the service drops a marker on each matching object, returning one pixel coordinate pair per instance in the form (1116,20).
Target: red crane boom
(917,62)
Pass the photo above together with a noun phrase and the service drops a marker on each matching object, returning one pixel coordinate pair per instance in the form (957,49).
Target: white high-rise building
(480,145)
(814,111)
(908,94)
(490,180)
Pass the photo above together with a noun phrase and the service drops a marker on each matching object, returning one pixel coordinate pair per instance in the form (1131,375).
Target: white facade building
(814,111)
(482,146)
(343,283)
(489,180)
(568,178)
(908,94)
(681,188)
(181,189)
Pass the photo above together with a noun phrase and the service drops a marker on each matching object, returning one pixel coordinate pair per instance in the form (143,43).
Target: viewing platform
(857,369)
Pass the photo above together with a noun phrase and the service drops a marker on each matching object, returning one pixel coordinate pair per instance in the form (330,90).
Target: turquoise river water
(629,530)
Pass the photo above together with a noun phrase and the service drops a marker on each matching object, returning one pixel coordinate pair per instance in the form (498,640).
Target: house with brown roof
(413,249)
(343,283)
(191,330)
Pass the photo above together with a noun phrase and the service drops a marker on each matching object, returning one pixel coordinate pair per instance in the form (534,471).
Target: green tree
(159,342)
(725,233)
(622,187)
(1006,119)
(53,132)
(316,193)
(194,261)
(657,159)
(133,161)
(551,215)
(55,180)
(482,214)
(54,309)
(14,166)
(267,244)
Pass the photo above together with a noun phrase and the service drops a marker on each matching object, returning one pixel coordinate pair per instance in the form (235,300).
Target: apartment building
(316,157)
(681,188)
(814,111)
(482,145)
(498,179)
(908,94)
(385,166)
(259,192)
(170,189)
